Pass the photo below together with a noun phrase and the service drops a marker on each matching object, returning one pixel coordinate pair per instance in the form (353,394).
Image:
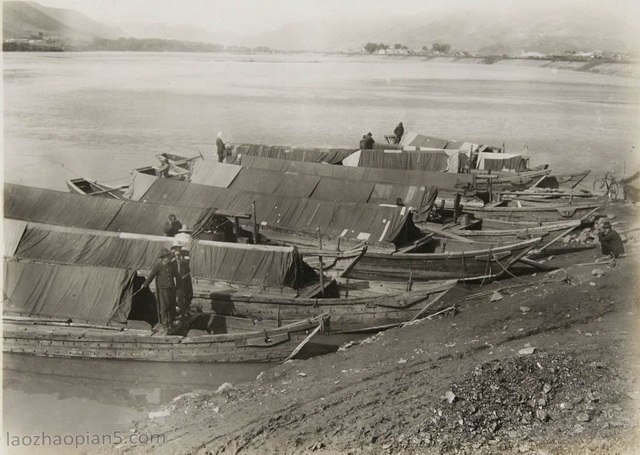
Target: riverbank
(537,364)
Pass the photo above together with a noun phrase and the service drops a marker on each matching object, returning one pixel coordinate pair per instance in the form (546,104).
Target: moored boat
(58,310)
(88,187)
(501,236)
(535,213)
(256,281)
(464,261)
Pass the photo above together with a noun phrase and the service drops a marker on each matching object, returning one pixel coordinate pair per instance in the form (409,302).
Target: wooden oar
(107,191)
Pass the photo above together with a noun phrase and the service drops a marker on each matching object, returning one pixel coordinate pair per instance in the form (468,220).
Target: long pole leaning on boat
(256,235)
(563,233)
(306,340)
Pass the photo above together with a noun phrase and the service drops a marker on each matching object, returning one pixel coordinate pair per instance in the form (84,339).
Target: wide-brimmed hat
(164,252)
(176,245)
(185,228)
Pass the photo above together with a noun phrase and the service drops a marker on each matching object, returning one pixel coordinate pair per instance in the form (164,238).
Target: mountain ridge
(478,31)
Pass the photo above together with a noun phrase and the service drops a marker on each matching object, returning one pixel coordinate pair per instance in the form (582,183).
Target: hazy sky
(247,16)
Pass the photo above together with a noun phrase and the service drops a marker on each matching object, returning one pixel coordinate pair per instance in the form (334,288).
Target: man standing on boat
(172,226)
(163,170)
(221,148)
(185,286)
(399,132)
(166,275)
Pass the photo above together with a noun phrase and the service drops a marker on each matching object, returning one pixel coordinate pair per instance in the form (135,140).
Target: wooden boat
(92,188)
(546,196)
(564,181)
(60,310)
(536,213)
(275,282)
(463,261)
(508,180)
(360,306)
(51,338)
(502,236)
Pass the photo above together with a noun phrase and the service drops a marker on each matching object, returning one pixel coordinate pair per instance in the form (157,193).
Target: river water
(99,115)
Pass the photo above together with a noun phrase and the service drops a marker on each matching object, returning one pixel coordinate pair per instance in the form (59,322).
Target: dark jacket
(368,142)
(611,243)
(171,228)
(220,146)
(164,274)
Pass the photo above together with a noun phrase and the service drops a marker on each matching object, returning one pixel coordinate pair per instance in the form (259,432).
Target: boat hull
(472,261)
(47,340)
(348,314)
(543,213)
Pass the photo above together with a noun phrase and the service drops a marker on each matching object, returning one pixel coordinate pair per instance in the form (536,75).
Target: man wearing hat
(184,284)
(166,275)
(610,241)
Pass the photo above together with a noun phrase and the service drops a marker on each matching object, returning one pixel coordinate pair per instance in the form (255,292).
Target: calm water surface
(99,115)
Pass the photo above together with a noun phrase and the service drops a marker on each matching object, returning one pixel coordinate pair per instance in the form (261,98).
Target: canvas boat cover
(396,159)
(501,161)
(296,185)
(56,207)
(139,185)
(443,181)
(93,295)
(12,231)
(259,265)
(213,173)
(332,189)
(301,215)
(256,181)
(140,218)
(419,140)
(316,155)
(412,139)
(103,214)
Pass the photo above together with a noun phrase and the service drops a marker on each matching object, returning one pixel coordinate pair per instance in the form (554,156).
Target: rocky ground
(544,363)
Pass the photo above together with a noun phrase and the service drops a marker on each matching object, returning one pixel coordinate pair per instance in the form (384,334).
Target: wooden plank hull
(509,180)
(566,181)
(471,261)
(88,188)
(502,236)
(542,213)
(348,314)
(58,341)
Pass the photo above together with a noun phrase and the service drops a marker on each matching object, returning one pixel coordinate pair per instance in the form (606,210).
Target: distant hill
(553,28)
(23,19)
(476,30)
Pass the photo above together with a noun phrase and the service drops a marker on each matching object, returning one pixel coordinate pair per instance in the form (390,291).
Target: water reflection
(64,396)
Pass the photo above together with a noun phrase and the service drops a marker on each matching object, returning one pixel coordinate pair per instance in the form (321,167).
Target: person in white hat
(184,236)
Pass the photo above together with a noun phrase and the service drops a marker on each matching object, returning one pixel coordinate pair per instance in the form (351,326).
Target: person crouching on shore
(610,241)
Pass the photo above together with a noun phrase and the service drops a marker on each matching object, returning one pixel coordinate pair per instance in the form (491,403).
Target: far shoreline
(610,67)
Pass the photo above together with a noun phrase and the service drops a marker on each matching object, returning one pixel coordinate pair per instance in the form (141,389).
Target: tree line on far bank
(441,48)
